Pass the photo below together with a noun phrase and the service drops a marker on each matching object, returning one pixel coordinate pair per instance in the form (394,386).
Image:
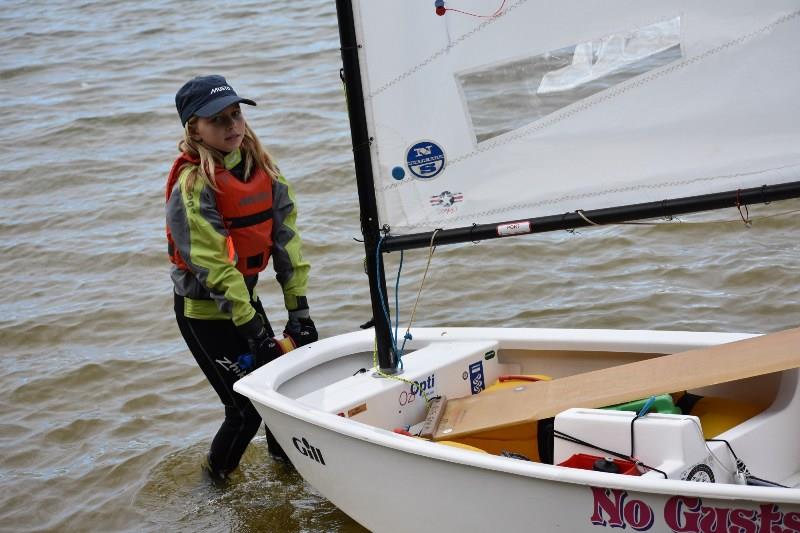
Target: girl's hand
(301,330)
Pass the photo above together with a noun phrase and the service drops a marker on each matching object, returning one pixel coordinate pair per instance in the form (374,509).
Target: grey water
(104,416)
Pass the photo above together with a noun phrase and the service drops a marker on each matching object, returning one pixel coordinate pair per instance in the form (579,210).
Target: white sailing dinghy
(544,116)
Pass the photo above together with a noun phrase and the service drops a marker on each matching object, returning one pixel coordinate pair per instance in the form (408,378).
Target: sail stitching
(601,193)
(443,51)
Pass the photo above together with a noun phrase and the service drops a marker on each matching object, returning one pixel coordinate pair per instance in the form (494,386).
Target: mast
(387,359)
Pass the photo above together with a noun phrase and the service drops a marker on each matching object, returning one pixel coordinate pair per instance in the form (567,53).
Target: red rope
(441,11)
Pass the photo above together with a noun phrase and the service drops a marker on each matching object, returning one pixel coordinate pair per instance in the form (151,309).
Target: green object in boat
(662,404)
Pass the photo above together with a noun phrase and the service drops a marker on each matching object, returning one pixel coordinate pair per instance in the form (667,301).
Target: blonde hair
(253,154)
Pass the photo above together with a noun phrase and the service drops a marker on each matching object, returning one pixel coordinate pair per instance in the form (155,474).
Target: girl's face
(224,131)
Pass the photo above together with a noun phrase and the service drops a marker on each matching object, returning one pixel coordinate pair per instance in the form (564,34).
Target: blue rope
(380,292)
(401,351)
(406,337)
(384,307)
(647,405)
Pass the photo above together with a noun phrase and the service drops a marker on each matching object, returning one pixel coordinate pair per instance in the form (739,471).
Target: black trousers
(212,342)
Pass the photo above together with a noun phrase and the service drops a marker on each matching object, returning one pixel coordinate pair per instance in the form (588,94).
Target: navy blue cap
(205,96)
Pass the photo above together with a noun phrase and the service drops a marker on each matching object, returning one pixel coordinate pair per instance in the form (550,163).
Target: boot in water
(274,449)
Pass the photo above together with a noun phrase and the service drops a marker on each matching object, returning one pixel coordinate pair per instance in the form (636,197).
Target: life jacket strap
(255,261)
(250,220)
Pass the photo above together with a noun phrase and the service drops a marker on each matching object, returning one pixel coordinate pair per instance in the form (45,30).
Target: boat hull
(390,482)
(385,489)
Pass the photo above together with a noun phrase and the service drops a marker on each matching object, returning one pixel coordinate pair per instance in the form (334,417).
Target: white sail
(552,107)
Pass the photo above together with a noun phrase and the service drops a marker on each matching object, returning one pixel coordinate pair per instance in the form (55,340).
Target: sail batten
(549,109)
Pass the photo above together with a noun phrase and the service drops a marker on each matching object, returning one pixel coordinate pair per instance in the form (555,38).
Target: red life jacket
(246,210)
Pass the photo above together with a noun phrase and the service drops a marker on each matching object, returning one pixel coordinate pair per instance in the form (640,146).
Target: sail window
(503,97)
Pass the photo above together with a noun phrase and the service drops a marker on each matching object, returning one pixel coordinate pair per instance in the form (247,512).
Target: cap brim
(215,106)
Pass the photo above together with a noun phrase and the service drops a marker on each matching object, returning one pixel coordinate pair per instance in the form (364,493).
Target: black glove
(300,328)
(263,348)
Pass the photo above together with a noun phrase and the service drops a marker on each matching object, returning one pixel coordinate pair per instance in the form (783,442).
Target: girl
(229,210)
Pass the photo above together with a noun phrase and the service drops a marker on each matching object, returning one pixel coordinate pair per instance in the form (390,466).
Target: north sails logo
(425,159)
(424,150)
(220,89)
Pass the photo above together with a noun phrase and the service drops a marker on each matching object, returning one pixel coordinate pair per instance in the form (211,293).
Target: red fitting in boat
(518,377)
(585,461)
